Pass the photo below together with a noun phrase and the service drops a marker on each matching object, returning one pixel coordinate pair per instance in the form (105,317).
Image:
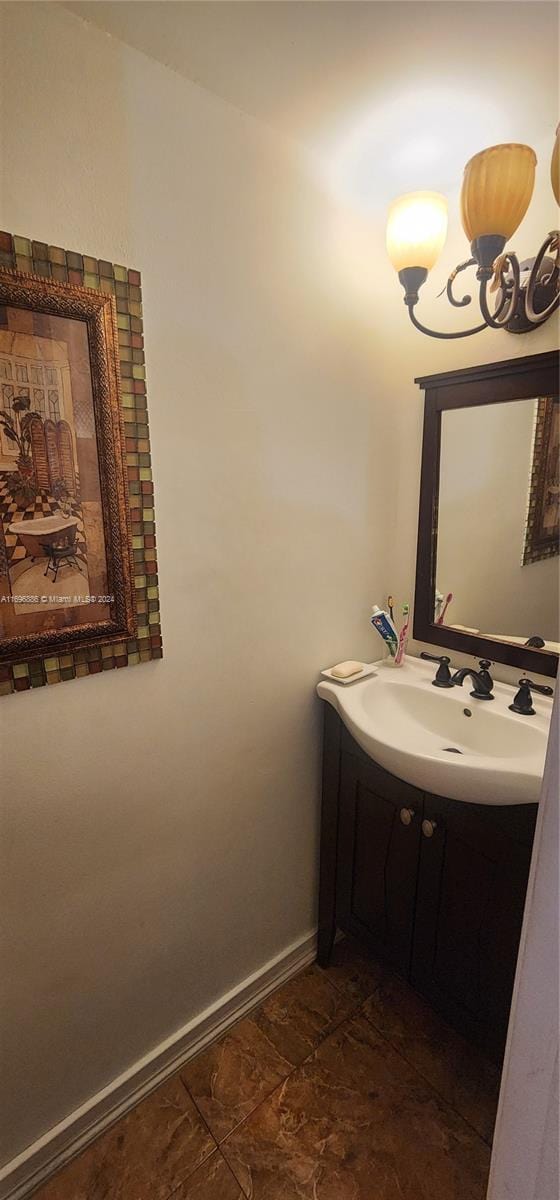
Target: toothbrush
(390,606)
(448,600)
(403,636)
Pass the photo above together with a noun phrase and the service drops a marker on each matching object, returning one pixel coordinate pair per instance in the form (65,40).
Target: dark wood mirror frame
(493,383)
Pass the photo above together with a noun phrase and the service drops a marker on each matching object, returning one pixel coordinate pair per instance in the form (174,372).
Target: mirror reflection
(498,522)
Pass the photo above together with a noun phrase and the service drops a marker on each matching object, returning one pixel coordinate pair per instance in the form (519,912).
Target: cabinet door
(379,835)
(472,881)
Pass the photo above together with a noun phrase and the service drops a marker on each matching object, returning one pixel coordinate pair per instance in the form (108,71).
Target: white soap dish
(367,669)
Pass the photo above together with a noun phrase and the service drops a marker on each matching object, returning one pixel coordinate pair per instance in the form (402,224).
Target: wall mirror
(487,570)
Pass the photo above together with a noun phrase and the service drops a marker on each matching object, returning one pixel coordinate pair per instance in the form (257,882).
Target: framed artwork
(543,511)
(78,572)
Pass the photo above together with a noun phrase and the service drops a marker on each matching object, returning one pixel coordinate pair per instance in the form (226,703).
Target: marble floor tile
(145,1156)
(355,1122)
(302,1012)
(459,1072)
(231,1077)
(352,971)
(212,1181)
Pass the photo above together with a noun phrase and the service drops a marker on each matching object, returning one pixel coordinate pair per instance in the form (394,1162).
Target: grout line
(293,1066)
(424,1078)
(357,1010)
(184,1181)
(234,1176)
(334,1029)
(211,1154)
(485,1141)
(201,1115)
(281,1083)
(216,1149)
(247,1115)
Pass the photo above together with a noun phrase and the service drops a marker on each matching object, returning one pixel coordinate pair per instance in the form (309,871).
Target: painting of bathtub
(64,542)
(54,563)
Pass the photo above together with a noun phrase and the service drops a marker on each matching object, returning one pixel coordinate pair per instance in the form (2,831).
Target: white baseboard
(49,1153)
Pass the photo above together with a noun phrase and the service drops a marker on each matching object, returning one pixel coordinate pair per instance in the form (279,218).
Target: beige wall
(159,837)
(485,465)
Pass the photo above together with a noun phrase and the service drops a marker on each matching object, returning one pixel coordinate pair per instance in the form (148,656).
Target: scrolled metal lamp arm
(471,262)
(506,273)
(412,279)
(435,333)
(510,292)
(551,242)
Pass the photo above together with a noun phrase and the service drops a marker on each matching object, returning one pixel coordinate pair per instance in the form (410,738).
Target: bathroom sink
(442,740)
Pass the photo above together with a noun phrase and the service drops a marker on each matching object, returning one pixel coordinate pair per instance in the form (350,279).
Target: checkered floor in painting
(43,505)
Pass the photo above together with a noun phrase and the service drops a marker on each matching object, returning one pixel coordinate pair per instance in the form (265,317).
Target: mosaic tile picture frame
(543,508)
(116,290)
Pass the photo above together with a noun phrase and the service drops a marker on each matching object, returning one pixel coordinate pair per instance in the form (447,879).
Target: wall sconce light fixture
(497,189)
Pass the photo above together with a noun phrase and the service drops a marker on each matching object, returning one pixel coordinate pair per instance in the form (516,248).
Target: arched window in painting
(7,395)
(8,449)
(54,404)
(39,401)
(46,391)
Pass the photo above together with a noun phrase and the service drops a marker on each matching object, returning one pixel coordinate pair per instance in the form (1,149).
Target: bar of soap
(344,670)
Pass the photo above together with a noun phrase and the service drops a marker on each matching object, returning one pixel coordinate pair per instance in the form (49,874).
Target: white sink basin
(414,730)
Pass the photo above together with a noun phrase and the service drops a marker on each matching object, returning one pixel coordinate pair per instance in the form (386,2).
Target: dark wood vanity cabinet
(472,881)
(378,858)
(434,888)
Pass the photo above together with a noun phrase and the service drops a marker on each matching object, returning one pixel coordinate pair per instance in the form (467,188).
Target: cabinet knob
(407,815)
(429,828)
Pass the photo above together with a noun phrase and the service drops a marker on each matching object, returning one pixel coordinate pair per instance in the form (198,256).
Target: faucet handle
(543,688)
(523,700)
(443,674)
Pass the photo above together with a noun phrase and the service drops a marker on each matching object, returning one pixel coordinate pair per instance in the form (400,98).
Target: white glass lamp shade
(416,230)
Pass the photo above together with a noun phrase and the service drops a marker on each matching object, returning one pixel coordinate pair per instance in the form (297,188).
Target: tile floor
(342,1085)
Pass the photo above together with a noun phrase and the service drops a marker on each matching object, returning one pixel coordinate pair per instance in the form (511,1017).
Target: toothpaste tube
(385,628)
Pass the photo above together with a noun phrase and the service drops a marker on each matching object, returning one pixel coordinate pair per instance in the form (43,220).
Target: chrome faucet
(482,680)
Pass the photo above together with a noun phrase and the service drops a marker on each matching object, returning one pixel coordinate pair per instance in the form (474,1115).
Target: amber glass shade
(555,167)
(497,188)
(416,230)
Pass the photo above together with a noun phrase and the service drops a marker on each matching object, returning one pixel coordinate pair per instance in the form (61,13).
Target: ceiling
(397,90)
